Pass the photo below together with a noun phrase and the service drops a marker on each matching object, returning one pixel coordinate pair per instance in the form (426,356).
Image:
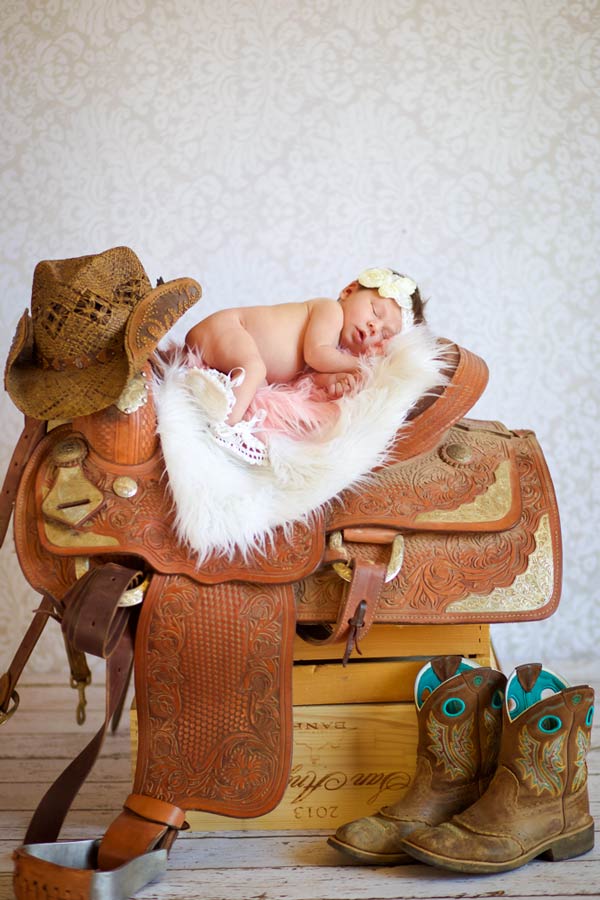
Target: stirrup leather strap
(145,824)
(98,590)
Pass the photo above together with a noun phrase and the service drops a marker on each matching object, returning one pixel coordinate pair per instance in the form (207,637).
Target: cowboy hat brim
(155,315)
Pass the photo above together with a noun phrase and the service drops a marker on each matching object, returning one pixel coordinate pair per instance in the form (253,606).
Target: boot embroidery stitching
(541,762)
(493,726)
(453,746)
(583,744)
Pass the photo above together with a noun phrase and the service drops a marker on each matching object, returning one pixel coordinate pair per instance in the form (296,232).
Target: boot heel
(573,845)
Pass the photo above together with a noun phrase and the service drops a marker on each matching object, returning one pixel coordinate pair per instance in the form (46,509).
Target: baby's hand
(338,383)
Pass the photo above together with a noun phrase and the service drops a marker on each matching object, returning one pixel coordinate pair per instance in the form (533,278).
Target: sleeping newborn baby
(245,348)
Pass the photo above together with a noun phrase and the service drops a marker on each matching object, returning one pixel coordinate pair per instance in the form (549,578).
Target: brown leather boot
(459,712)
(537,803)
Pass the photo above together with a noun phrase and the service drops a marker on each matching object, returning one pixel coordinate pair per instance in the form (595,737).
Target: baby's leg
(225,345)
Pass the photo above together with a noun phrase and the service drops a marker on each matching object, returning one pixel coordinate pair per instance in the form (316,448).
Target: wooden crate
(386,672)
(355,728)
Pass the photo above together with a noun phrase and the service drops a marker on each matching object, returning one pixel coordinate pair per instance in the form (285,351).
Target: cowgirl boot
(459,715)
(537,803)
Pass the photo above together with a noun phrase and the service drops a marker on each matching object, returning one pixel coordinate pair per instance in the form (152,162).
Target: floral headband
(395,287)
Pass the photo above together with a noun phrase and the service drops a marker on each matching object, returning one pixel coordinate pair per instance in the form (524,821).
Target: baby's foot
(240,439)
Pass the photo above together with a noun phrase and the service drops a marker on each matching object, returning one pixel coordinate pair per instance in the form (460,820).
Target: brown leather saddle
(461,525)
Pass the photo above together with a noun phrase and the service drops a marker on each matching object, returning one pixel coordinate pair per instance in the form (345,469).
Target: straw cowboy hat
(94,322)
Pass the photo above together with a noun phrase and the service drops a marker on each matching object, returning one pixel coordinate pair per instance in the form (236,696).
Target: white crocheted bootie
(240,439)
(213,391)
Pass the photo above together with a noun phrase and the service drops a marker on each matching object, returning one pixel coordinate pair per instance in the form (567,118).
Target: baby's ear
(348,290)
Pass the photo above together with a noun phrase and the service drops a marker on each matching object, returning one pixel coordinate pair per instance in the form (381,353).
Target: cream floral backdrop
(273,148)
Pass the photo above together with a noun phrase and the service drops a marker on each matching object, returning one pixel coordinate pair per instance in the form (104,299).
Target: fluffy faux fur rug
(222,502)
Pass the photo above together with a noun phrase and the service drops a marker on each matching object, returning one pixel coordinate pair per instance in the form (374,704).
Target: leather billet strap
(33,431)
(356,613)
(80,673)
(92,620)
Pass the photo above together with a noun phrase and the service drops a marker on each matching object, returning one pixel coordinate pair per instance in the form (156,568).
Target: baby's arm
(321,338)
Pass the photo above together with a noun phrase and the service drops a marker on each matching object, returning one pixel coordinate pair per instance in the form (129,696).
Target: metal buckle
(132,596)
(344,570)
(135,594)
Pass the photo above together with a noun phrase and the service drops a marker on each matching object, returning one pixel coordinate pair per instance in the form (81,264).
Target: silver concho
(124,486)
(135,394)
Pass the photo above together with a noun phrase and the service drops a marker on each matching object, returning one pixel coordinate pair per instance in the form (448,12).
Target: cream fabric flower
(396,287)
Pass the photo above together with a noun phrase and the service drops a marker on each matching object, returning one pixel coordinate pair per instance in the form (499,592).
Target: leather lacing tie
(356,623)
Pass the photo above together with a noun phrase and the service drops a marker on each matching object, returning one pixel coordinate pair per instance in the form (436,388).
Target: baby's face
(369,319)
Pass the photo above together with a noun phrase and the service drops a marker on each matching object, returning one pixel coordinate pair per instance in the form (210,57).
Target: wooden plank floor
(42,737)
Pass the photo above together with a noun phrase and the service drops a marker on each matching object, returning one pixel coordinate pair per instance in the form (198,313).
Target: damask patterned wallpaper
(274,148)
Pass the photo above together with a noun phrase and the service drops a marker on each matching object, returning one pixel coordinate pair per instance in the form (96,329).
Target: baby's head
(378,305)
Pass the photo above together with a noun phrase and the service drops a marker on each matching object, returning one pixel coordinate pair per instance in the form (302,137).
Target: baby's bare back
(279,335)
(276,331)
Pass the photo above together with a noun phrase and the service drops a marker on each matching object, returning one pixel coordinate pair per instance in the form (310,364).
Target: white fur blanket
(222,502)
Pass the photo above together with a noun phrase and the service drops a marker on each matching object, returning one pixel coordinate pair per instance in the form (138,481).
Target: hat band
(83,361)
